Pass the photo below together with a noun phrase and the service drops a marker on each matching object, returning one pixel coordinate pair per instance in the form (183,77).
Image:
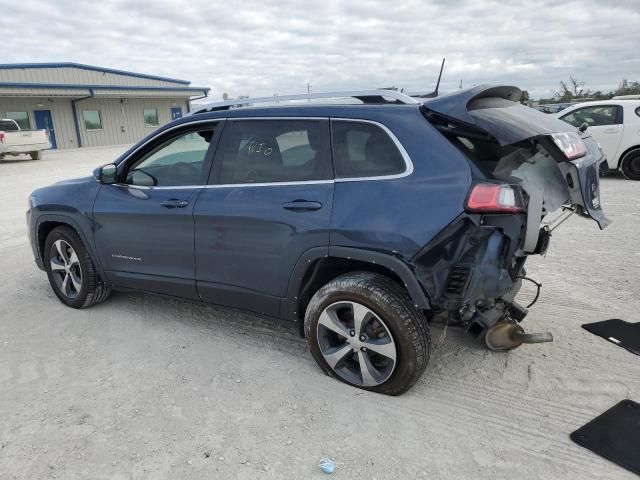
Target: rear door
(605,124)
(144,230)
(269,200)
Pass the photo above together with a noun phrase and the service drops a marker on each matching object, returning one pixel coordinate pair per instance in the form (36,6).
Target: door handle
(611,130)
(301,205)
(174,203)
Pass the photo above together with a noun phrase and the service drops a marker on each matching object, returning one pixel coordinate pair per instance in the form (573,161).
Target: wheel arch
(318,266)
(46,224)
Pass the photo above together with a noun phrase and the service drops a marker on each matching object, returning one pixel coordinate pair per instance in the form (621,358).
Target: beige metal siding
(123,123)
(60,112)
(70,76)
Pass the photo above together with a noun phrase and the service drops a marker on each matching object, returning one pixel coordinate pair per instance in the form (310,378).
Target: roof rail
(366,96)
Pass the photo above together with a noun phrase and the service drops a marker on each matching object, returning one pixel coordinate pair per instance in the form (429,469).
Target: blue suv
(362,219)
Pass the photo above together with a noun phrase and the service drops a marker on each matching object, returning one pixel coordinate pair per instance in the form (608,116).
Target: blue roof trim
(66,86)
(7,66)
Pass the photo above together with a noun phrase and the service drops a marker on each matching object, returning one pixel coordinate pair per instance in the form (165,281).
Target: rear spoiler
(495,110)
(454,105)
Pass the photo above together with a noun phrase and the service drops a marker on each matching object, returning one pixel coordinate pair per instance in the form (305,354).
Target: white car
(615,125)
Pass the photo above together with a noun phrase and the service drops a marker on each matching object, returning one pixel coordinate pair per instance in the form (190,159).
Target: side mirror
(106,174)
(583,127)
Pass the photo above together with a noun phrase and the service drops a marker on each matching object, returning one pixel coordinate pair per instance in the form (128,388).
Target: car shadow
(26,158)
(451,347)
(614,176)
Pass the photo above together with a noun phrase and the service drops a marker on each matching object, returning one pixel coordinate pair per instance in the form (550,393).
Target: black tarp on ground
(614,435)
(624,334)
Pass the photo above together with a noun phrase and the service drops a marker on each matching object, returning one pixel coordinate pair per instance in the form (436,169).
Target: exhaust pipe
(507,336)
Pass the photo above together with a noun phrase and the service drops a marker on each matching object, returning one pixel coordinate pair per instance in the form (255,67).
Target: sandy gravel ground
(146,387)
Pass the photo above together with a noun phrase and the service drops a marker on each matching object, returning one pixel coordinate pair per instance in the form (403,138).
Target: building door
(176,112)
(44,121)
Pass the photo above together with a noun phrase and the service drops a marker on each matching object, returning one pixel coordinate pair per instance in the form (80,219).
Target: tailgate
(562,165)
(26,138)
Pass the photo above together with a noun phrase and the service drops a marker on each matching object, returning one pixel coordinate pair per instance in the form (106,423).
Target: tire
(604,169)
(391,319)
(72,274)
(630,165)
(36,155)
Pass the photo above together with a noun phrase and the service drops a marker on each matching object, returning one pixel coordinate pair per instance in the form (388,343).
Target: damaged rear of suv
(525,165)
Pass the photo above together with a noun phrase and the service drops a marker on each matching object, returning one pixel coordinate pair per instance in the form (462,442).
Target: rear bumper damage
(473,270)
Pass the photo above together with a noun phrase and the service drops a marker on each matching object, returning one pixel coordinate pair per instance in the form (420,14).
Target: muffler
(508,335)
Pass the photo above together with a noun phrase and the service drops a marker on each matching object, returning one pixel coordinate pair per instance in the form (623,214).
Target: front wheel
(363,329)
(630,165)
(71,272)
(36,155)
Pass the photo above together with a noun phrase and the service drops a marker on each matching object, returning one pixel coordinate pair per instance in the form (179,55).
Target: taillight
(493,198)
(1,137)
(570,143)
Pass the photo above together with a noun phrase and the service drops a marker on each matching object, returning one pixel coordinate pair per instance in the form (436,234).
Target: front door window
(179,161)
(594,116)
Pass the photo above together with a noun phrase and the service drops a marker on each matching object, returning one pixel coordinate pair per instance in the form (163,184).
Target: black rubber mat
(624,334)
(614,435)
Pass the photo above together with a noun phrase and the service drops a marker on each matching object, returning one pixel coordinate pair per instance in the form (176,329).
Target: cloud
(259,48)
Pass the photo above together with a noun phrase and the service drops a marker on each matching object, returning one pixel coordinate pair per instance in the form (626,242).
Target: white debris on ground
(148,387)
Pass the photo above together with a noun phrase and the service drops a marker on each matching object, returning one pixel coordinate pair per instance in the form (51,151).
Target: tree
(573,89)
(524,98)
(628,88)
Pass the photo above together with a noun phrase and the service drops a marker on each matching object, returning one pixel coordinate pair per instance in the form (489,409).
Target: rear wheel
(630,165)
(36,155)
(71,272)
(363,329)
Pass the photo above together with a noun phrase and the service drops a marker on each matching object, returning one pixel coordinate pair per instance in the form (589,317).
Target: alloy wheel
(356,343)
(65,268)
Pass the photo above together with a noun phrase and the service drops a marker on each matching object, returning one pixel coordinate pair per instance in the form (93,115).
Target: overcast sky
(260,48)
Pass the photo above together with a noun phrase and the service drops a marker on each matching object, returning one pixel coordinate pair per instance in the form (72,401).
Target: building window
(151,117)
(21,118)
(92,119)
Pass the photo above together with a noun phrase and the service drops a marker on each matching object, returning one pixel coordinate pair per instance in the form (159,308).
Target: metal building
(83,105)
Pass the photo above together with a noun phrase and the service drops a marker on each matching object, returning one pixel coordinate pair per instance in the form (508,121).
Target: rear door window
(364,150)
(272,151)
(595,116)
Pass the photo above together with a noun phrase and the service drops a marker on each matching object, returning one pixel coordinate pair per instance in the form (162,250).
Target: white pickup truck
(14,141)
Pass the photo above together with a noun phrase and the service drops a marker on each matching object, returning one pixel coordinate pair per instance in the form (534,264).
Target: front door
(144,230)
(176,112)
(44,121)
(269,201)
(605,126)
